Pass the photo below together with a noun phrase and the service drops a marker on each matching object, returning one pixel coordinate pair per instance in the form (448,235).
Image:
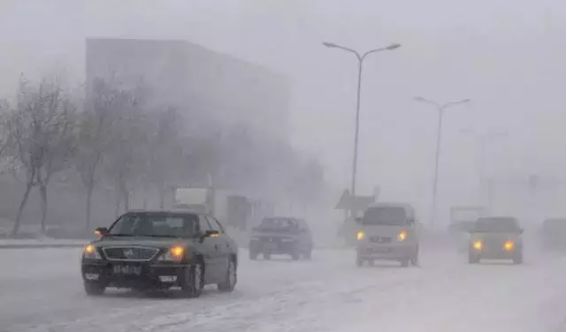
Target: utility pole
(360,58)
(441,108)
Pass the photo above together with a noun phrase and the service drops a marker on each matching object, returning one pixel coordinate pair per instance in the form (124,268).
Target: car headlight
(360,235)
(174,254)
(509,245)
(90,252)
(402,235)
(478,245)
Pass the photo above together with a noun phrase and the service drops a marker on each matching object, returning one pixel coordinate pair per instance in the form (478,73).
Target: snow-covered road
(41,290)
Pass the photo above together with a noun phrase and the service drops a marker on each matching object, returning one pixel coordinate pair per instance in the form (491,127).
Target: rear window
(278,224)
(497,225)
(385,216)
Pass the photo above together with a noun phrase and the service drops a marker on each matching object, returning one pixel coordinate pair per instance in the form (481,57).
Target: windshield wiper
(156,235)
(123,234)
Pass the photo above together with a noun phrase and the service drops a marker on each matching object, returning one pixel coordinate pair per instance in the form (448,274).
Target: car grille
(380,239)
(130,253)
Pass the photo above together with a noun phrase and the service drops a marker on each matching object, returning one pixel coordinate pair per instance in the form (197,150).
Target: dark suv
(158,250)
(281,235)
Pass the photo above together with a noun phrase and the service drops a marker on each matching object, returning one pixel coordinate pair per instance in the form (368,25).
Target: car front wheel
(94,288)
(192,284)
(252,255)
(473,259)
(230,279)
(518,259)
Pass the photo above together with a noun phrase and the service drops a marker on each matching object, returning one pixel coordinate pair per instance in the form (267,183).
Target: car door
(224,243)
(210,251)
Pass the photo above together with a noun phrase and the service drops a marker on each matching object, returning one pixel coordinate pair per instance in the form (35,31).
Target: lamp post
(360,57)
(441,108)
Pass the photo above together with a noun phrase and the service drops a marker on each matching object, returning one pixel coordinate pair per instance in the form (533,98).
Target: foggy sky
(507,56)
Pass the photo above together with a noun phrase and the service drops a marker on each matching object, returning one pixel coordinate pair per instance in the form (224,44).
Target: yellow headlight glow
(403,235)
(509,245)
(90,249)
(360,235)
(177,252)
(477,245)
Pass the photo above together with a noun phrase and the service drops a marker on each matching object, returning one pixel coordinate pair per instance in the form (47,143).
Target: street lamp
(483,140)
(360,59)
(441,108)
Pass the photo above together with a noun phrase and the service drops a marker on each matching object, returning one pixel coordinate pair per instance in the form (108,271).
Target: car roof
(409,209)
(163,211)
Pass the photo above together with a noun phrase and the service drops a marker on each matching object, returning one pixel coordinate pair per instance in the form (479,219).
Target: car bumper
(141,275)
(386,252)
(495,254)
(273,247)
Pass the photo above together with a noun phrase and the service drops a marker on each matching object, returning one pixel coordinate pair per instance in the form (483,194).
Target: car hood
(495,236)
(383,230)
(142,241)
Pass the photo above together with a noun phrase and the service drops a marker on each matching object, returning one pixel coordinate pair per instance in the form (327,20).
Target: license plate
(381,250)
(127,269)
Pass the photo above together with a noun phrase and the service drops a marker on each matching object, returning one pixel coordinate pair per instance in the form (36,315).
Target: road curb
(32,246)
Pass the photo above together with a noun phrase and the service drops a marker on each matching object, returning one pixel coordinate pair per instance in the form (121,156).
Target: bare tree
(165,152)
(41,135)
(4,109)
(126,159)
(102,106)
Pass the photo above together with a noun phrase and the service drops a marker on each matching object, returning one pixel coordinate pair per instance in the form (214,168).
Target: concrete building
(200,82)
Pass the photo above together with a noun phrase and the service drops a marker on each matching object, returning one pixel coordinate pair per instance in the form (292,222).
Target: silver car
(387,232)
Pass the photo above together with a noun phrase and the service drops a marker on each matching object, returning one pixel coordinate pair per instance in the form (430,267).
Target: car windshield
(385,216)
(278,224)
(497,225)
(156,225)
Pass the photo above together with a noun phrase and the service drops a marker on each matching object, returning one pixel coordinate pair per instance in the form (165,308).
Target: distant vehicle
(496,238)
(281,236)
(387,232)
(553,234)
(148,250)
(233,209)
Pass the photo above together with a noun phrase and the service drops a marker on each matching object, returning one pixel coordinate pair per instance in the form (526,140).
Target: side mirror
(520,231)
(210,233)
(411,221)
(358,220)
(101,231)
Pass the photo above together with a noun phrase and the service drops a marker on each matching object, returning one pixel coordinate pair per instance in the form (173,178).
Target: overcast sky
(508,56)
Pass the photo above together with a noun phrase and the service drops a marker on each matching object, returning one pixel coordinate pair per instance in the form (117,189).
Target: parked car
(159,250)
(496,238)
(281,236)
(387,231)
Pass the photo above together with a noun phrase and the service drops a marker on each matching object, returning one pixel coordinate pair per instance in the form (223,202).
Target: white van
(387,231)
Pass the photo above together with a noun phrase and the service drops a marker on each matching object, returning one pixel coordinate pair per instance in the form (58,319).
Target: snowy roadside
(41,243)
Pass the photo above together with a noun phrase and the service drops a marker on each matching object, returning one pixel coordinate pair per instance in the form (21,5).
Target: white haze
(507,56)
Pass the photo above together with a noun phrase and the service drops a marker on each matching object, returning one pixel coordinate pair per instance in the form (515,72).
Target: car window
(385,216)
(155,224)
(500,224)
(215,225)
(278,224)
(204,224)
